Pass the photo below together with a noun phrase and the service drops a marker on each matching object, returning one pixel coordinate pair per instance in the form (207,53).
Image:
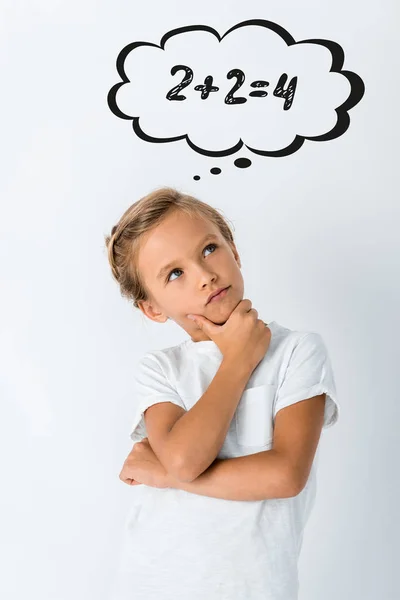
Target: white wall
(317,231)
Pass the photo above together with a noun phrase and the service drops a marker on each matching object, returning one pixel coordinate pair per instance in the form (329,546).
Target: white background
(317,232)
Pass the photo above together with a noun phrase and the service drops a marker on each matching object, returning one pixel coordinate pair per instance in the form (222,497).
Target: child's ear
(236,254)
(152,312)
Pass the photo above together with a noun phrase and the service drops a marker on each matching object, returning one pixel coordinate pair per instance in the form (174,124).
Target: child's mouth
(220,295)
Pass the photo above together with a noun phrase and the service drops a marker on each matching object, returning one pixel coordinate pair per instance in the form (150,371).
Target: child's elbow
(182,472)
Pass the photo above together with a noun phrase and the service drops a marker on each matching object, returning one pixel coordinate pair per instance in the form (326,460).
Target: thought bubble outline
(357,89)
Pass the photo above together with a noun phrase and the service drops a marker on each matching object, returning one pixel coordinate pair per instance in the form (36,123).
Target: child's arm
(254,477)
(193,440)
(280,472)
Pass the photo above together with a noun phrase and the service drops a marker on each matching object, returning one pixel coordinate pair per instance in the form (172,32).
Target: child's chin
(219,321)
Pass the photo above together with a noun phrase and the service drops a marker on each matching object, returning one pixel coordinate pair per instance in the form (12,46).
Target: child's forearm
(197,440)
(254,477)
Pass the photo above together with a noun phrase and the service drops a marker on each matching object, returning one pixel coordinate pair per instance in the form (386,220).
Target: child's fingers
(130,481)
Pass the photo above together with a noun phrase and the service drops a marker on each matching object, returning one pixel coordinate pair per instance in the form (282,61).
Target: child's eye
(173,271)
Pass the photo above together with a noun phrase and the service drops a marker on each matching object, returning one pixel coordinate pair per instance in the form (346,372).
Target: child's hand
(242,337)
(143,466)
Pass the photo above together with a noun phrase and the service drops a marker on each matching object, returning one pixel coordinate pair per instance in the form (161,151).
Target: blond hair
(124,242)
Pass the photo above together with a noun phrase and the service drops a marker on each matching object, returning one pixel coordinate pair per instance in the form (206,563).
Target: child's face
(198,269)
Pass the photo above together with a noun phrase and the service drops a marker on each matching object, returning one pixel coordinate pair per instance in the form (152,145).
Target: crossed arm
(280,472)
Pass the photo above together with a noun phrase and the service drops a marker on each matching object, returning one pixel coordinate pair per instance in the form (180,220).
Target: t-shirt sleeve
(309,373)
(151,386)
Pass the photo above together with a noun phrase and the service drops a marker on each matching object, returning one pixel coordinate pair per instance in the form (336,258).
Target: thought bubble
(255,87)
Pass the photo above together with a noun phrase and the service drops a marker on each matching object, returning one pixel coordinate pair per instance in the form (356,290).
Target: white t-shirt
(179,545)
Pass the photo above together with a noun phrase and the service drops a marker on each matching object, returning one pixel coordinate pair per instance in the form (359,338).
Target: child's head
(166,227)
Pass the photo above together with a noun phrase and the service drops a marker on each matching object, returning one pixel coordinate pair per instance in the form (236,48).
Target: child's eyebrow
(209,236)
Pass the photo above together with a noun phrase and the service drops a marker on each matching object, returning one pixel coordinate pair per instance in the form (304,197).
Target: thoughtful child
(223,467)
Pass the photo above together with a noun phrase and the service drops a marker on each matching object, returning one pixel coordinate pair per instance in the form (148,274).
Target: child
(224,480)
